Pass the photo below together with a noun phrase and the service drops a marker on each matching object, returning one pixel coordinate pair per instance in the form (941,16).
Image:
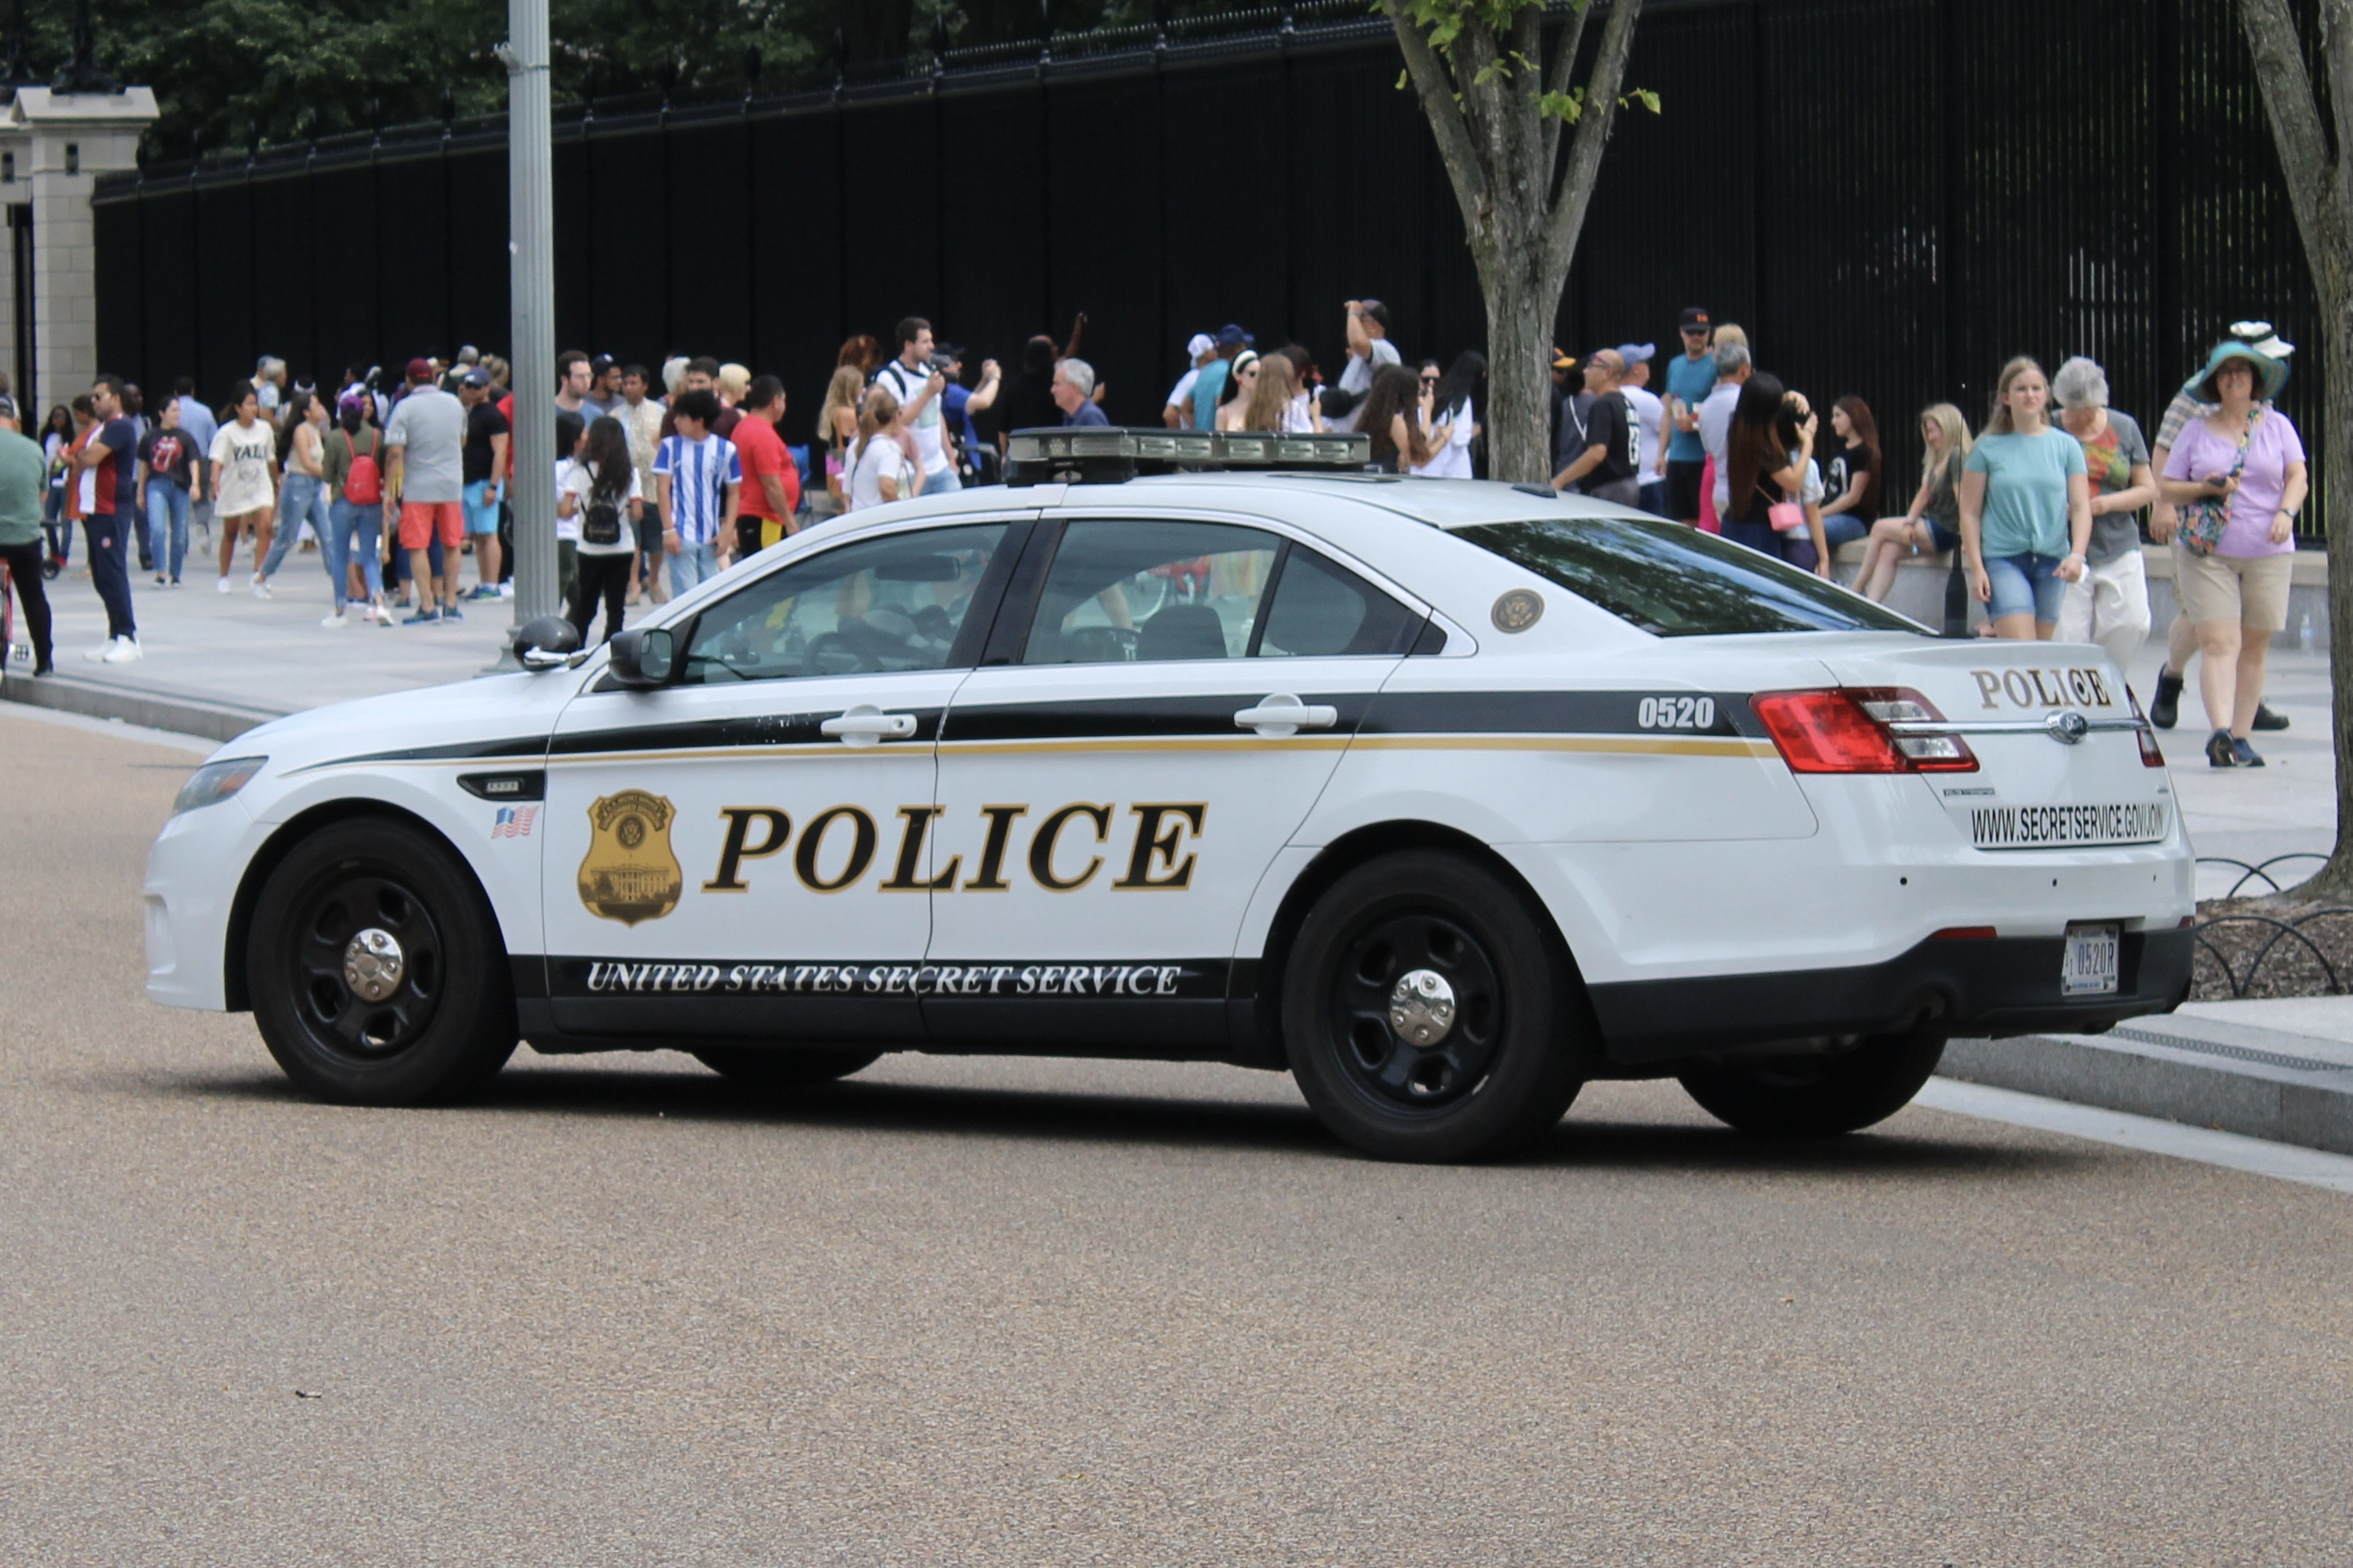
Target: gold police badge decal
(630,873)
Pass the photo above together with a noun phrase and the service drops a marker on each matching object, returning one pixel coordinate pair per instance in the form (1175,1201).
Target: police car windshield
(1678,582)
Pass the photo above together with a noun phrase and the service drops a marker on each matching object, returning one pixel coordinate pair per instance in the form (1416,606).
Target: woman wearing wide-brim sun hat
(2238,477)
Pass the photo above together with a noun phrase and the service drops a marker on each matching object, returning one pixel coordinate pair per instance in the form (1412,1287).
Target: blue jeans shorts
(2025,584)
(481,509)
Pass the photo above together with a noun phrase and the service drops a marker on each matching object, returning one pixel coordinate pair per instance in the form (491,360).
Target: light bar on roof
(1106,455)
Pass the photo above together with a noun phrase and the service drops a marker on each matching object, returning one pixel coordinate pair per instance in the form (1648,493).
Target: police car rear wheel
(1819,1096)
(755,1067)
(376,970)
(1422,1014)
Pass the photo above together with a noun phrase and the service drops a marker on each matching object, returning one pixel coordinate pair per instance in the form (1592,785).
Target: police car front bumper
(192,879)
(1990,986)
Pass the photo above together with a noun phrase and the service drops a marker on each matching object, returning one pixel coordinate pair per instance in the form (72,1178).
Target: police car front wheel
(376,970)
(1423,1012)
(1819,1096)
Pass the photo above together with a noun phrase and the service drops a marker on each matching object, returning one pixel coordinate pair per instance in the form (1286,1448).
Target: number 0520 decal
(1675,713)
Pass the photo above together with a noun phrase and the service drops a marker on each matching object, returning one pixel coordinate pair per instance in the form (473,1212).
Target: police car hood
(496,715)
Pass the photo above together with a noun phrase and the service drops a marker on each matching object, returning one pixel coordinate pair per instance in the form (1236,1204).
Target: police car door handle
(865,725)
(1284,714)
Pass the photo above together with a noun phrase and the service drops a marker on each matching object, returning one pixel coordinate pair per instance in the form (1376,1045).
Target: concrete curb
(2274,1093)
(95,699)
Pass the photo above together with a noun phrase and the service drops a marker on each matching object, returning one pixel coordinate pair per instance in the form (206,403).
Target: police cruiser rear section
(1445,797)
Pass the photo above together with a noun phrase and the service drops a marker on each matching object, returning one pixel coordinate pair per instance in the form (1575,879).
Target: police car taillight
(1849,730)
(2150,757)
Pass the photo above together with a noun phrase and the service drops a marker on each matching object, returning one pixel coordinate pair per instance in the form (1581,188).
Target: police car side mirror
(643,658)
(545,642)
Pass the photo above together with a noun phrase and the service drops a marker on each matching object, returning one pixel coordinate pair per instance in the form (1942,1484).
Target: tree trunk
(2334,883)
(1483,101)
(1520,305)
(2316,154)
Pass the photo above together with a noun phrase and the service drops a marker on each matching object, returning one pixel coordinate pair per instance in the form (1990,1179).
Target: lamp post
(530,208)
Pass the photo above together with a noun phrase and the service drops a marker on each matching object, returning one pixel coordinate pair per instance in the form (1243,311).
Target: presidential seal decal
(1518,610)
(630,873)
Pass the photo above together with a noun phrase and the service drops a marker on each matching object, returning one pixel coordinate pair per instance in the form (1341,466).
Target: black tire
(1818,1096)
(759,1066)
(447,1022)
(1501,1072)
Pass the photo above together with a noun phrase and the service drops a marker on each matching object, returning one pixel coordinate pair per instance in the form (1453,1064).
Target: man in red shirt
(772,480)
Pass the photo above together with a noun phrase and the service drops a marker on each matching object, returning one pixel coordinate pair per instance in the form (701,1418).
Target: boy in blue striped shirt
(698,480)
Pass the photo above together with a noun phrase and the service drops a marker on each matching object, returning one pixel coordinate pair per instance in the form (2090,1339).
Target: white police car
(1446,796)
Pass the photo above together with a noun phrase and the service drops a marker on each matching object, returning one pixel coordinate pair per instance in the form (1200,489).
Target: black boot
(2166,709)
(2267,719)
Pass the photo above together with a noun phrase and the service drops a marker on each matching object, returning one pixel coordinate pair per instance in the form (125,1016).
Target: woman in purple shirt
(2244,465)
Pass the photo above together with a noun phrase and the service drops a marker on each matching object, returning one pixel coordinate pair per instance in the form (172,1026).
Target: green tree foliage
(228,71)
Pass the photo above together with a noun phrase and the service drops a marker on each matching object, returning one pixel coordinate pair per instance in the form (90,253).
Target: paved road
(1019,1312)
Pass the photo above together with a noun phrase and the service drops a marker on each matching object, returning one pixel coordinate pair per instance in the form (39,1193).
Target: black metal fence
(1892,195)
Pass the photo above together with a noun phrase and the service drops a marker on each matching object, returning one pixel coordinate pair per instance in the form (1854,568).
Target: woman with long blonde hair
(837,427)
(1933,523)
(884,468)
(1270,405)
(2026,508)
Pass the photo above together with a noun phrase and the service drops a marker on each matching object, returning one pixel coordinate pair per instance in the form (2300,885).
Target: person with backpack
(354,469)
(602,491)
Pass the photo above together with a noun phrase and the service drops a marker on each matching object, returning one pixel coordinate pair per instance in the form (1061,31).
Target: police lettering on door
(631,874)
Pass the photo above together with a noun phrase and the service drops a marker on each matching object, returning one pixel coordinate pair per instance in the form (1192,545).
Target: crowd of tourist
(2039,512)
(665,476)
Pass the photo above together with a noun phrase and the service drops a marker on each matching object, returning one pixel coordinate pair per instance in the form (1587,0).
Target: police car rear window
(1678,582)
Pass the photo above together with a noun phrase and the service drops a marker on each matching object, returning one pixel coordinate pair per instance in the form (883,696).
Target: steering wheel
(833,654)
(1099,645)
(933,625)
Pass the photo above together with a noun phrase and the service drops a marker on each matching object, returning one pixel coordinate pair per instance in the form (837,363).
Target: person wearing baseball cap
(1177,413)
(1649,415)
(1690,376)
(424,489)
(1368,349)
(1210,382)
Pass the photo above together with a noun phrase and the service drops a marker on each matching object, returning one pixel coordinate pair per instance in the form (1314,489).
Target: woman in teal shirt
(2026,508)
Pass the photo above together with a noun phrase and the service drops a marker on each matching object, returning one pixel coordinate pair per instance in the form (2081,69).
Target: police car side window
(1321,610)
(1143,591)
(880,604)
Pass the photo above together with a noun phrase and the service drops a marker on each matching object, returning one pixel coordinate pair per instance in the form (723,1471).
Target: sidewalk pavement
(217,664)
(2281,1069)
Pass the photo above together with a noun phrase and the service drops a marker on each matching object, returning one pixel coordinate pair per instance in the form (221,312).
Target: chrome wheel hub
(1421,1007)
(374,963)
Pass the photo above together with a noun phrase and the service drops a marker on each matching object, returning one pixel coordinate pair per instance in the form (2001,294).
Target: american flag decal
(514,822)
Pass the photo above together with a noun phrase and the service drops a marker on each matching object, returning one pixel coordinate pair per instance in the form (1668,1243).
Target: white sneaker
(261,588)
(336,620)
(124,650)
(221,586)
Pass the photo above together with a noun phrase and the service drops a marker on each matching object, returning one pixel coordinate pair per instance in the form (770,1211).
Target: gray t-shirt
(1357,379)
(428,427)
(2108,459)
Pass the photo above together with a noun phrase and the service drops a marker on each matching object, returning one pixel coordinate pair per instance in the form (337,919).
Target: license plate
(2059,826)
(2090,966)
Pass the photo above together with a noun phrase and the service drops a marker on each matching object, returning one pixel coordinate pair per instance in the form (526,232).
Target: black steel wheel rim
(336,1018)
(1375,1059)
